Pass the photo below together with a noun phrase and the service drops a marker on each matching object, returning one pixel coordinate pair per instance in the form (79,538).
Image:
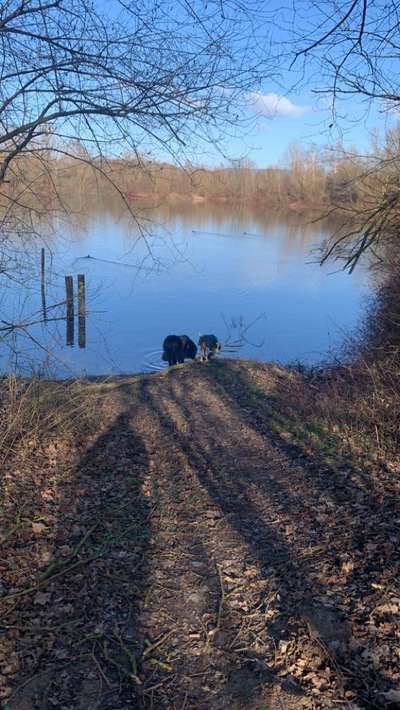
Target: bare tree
(355,45)
(84,82)
(142,75)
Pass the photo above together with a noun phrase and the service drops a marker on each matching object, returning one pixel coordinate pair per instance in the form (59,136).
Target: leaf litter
(199,547)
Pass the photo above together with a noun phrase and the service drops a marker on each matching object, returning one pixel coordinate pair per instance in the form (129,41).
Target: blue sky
(278,115)
(303,119)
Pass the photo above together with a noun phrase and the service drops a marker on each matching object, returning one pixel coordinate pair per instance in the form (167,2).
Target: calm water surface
(249,279)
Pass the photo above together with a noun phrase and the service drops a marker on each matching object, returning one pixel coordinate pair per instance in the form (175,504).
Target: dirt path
(225,559)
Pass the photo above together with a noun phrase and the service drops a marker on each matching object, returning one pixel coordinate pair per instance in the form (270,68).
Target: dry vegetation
(218,535)
(307,181)
(360,397)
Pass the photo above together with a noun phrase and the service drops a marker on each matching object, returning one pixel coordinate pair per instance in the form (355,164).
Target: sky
(280,115)
(302,119)
(284,120)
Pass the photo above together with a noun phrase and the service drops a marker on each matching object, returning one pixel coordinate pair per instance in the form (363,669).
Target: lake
(250,278)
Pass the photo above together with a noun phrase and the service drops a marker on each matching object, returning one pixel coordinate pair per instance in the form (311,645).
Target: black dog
(209,345)
(177,347)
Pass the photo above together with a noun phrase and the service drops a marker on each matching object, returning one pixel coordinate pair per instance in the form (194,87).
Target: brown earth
(208,546)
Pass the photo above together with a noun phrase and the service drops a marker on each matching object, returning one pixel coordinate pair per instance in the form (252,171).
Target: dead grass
(31,409)
(361,402)
(39,421)
(360,399)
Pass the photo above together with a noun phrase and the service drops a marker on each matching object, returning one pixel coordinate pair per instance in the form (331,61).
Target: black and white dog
(208,345)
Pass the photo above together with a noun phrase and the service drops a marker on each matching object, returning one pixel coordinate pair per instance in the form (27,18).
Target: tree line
(331,179)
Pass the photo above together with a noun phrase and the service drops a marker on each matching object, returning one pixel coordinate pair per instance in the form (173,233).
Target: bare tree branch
(115,79)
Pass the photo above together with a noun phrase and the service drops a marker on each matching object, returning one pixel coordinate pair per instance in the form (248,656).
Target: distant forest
(308,179)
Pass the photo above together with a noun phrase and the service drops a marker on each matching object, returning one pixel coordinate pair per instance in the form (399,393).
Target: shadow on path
(207,553)
(77,635)
(309,525)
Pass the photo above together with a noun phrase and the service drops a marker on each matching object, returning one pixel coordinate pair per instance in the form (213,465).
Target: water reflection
(186,269)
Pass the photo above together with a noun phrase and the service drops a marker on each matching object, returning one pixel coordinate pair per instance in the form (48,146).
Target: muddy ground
(208,545)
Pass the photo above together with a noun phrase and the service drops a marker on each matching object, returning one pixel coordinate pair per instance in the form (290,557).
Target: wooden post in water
(43,284)
(69,290)
(81,311)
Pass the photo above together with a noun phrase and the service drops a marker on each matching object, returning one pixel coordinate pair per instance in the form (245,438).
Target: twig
(38,628)
(222,598)
(121,669)
(58,565)
(153,646)
(99,668)
(13,530)
(9,611)
(43,582)
(147,691)
(131,656)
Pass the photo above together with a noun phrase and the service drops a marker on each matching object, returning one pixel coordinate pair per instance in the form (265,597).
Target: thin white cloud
(274,106)
(262,127)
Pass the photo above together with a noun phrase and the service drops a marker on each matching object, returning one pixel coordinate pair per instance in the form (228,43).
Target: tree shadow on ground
(238,484)
(76,633)
(308,524)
